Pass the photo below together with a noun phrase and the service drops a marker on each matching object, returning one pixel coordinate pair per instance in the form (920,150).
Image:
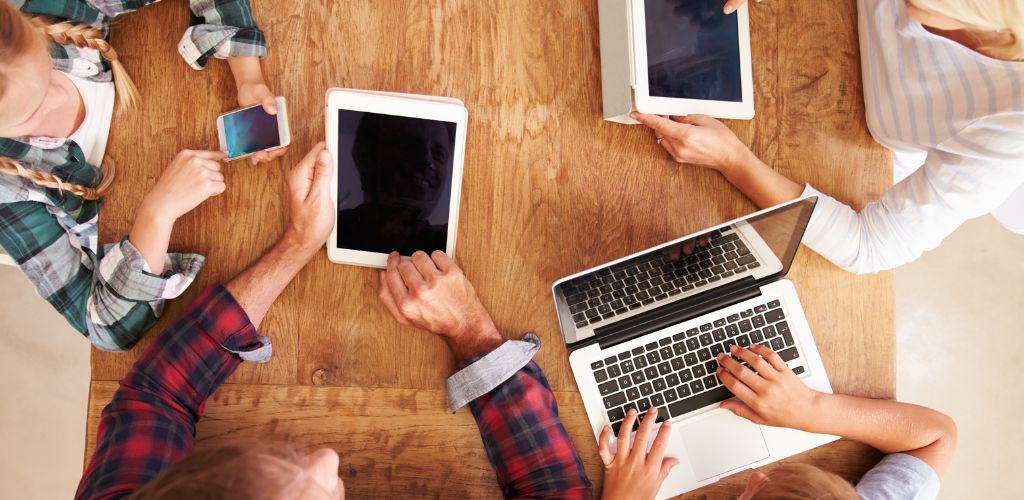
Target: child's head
(797,482)
(249,470)
(27,88)
(982,17)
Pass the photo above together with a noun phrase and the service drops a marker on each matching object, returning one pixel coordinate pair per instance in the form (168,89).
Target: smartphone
(245,131)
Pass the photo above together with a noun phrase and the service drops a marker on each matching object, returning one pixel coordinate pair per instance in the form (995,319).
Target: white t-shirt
(92,135)
(954,119)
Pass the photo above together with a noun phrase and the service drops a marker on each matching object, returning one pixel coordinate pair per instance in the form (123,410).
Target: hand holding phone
(248,131)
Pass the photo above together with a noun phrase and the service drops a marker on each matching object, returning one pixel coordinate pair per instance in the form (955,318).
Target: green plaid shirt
(108,293)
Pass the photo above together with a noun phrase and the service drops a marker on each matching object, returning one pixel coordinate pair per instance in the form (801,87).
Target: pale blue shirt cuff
(491,370)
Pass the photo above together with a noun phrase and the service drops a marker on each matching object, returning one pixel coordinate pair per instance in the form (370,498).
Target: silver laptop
(644,331)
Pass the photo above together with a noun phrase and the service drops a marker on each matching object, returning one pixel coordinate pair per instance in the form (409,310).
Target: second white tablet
(397,177)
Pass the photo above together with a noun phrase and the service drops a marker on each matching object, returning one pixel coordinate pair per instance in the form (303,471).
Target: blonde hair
(254,471)
(18,35)
(802,481)
(986,16)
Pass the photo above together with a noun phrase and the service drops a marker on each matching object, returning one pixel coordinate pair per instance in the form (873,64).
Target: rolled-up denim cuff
(486,372)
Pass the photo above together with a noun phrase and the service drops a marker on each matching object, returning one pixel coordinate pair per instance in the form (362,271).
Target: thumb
(269,103)
(659,124)
(322,171)
(740,409)
(667,464)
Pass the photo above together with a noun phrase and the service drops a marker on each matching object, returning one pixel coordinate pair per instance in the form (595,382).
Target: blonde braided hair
(20,34)
(11,167)
(84,36)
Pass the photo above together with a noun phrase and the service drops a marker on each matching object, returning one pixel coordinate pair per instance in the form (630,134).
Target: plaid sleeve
(110,298)
(150,423)
(221,29)
(526,443)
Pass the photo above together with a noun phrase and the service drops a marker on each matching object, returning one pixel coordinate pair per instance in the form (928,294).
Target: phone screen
(250,130)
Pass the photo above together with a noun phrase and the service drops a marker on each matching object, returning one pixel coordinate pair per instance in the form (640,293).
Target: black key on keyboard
(774,316)
(769,331)
(716,350)
(798,370)
(646,389)
(757,321)
(651,373)
(773,304)
(597,364)
(658,400)
(692,344)
(743,341)
(672,380)
(637,377)
(666,352)
(698,371)
(705,339)
(677,364)
(670,395)
(760,309)
(608,361)
(653,346)
(642,406)
(640,362)
(613,371)
(624,355)
(637,351)
(684,406)
(665,341)
(608,387)
(756,337)
(706,327)
(692,331)
(626,366)
(732,330)
(745,326)
(653,357)
(710,382)
(616,414)
(617,399)
(704,354)
(718,335)
(659,385)
(711,366)
(625,382)
(679,348)
(777,344)
(664,368)
(600,376)
(685,376)
(633,393)
(789,354)
(690,359)
(696,386)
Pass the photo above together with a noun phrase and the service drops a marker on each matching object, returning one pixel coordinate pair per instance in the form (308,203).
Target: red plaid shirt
(150,424)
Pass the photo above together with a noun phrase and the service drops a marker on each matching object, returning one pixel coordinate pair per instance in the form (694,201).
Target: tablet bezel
(440,109)
(645,103)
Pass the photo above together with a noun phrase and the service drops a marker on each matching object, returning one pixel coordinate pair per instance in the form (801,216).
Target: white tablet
(398,169)
(691,58)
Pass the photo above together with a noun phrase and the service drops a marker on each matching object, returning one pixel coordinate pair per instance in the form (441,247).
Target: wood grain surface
(549,189)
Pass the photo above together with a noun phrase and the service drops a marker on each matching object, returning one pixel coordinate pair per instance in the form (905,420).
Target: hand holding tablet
(398,169)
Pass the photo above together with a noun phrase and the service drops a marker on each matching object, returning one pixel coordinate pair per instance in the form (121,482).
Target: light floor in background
(959,318)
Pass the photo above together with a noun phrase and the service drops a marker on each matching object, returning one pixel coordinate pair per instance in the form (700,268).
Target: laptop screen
(747,252)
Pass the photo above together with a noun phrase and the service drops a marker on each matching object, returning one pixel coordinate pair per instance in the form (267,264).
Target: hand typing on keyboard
(771,396)
(630,472)
(432,293)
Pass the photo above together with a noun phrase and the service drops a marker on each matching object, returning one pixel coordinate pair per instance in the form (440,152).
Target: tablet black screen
(692,50)
(394,182)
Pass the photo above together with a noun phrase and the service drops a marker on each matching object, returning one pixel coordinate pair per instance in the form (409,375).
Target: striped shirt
(954,119)
(108,293)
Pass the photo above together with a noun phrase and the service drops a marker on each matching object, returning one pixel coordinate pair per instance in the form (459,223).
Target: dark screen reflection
(403,168)
(692,50)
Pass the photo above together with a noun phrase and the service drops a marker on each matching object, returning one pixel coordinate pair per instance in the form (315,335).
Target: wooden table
(549,189)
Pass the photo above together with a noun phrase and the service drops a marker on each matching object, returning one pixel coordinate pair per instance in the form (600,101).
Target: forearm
(525,441)
(258,287)
(246,70)
(151,234)
(889,426)
(762,184)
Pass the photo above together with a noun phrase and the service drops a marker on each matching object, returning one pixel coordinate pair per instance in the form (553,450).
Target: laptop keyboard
(677,374)
(618,289)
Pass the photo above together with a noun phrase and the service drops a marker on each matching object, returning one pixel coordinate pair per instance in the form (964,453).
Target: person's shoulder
(899,476)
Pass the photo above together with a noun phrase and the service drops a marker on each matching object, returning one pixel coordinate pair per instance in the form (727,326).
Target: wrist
(815,414)
(292,244)
(741,160)
(473,339)
(152,215)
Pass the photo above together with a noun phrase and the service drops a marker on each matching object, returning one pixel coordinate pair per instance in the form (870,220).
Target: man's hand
(771,396)
(311,209)
(630,472)
(432,293)
(732,5)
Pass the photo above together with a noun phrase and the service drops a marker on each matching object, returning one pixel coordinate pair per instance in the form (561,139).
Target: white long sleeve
(967,176)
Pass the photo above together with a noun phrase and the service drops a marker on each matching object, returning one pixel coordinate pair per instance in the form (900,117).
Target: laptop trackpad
(721,443)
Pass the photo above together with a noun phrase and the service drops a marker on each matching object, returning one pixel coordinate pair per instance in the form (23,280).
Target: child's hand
(770,394)
(191,178)
(632,472)
(253,90)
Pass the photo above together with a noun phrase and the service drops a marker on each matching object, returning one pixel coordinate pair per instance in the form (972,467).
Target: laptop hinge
(674,313)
